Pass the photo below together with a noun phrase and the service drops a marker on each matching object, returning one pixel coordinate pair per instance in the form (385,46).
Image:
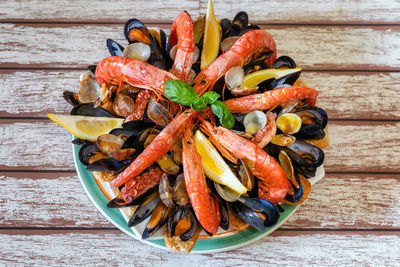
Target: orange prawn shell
(205,206)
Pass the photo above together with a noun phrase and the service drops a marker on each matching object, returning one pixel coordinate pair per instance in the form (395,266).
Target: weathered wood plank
(50,199)
(100,11)
(312,47)
(345,95)
(308,12)
(58,200)
(312,11)
(43,145)
(116,248)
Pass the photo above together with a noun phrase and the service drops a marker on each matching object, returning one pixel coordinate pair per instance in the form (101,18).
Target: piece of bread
(176,245)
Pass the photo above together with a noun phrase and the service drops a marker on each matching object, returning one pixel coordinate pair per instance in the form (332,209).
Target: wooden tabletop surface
(350,53)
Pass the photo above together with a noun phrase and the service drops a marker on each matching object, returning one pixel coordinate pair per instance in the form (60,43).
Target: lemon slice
(214,165)
(251,80)
(85,127)
(212,37)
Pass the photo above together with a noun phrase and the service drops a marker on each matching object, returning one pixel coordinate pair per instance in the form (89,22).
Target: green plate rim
(211,245)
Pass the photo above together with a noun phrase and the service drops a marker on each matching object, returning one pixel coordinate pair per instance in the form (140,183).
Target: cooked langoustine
(206,207)
(273,183)
(272,99)
(249,45)
(183,35)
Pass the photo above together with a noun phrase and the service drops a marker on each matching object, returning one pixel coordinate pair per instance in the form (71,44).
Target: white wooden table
(350,52)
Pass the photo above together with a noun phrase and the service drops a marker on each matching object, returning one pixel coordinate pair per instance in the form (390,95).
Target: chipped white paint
(42,202)
(343,95)
(283,248)
(311,47)
(100,11)
(46,145)
(311,11)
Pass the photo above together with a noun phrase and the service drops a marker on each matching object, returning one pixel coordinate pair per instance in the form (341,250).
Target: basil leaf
(180,92)
(210,97)
(223,113)
(198,104)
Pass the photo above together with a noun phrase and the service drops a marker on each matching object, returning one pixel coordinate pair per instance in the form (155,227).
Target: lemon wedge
(214,165)
(85,127)
(212,37)
(251,80)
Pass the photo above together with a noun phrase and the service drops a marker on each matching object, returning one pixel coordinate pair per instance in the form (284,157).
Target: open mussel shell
(249,28)
(115,48)
(254,121)
(241,20)
(145,209)
(283,61)
(283,140)
(246,175)
(179,190)
(86,152)
(314,153)
(258,213)
(158,218)
(316,115)
(298,191)
(109,143)
(182,223)
(226,27)
(310,131)
(108,164)
(136,31)
(89,110)
(119,201)
(71,98)
(223,210)
(166,191)
(138,50)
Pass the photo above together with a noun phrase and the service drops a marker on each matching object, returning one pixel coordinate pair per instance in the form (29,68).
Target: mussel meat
(158,218)
(89,110)
(145,209)
(136,31)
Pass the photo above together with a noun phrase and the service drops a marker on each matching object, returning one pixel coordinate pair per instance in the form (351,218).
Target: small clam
(109,143)
(168,164)
(123,105)
(121,154)
(140,51)
(90,88)
(286,164)
(192,75)
(234,77)
(227,43)
(254,121)
(289,123)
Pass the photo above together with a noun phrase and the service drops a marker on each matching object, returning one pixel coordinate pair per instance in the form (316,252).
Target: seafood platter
(201,140)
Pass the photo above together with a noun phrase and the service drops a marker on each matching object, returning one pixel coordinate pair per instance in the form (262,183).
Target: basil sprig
(184,94)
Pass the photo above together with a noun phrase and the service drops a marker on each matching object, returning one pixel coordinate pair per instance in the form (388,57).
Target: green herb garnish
(184,94)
